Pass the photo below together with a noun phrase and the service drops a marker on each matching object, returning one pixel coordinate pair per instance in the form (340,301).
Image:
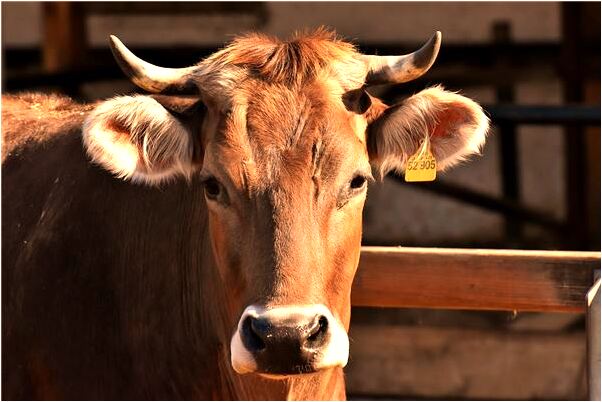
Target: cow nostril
(251,334)
(318,332)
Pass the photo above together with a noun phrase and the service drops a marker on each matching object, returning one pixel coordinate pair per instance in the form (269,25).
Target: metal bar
(454,77)
(552,115)
(593,340)
(473,279)
(479,57)
(504,206)
(510,170)
(519,114)
(34,79)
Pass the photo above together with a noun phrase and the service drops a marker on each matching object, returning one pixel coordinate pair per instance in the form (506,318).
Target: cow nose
(287,340)
(265,333)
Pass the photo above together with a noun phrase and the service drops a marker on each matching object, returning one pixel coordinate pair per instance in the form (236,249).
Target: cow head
(285,140)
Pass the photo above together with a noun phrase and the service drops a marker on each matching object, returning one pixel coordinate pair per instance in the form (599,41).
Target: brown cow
(219,265)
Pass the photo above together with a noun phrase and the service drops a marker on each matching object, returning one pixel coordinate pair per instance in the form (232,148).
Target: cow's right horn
(150,77)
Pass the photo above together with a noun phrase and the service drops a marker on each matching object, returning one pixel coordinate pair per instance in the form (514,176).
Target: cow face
(285,179)
(284,139)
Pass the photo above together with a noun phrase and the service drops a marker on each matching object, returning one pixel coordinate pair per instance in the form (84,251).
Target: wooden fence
(473,279)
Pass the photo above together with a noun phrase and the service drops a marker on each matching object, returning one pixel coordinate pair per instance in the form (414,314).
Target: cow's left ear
(147,139)
(457,127)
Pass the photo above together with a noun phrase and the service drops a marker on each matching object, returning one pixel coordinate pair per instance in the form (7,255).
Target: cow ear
(457,127)
(147,139)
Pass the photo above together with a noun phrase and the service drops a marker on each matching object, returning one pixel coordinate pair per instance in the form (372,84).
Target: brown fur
(150,351)
(304,58)
(293,62)
(115,290)
(36,117)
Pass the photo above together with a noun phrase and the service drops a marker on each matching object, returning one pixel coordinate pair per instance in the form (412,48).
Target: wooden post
(573,71)
(64,36)
(593,340)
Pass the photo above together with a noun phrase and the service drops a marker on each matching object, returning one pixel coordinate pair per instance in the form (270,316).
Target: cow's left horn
(150,77)
(398,69)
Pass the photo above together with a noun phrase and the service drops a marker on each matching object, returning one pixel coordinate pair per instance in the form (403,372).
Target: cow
(200,241)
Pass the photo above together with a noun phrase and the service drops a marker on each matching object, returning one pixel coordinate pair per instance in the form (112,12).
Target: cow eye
(354,188)
(213,188)
(358,182)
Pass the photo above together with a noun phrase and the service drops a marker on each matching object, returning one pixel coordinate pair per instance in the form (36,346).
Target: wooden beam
(593,341)
(472,279)
(64,44)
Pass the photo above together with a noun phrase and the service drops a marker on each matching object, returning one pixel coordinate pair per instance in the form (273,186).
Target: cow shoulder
(30,119)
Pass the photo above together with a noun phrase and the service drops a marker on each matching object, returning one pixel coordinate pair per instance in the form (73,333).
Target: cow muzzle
(288,340)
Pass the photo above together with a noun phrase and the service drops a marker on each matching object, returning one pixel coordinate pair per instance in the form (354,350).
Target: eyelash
(358,182)
(213,189)
(354,188)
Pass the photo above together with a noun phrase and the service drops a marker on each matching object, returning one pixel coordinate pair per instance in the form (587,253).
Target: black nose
(262,335)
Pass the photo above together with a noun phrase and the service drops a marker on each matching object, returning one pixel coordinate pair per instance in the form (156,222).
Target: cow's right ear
(147,139)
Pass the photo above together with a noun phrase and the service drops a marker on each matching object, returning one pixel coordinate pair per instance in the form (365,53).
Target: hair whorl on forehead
(290,62)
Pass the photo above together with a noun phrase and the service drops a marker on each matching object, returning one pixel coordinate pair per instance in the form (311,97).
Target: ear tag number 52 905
(421,166)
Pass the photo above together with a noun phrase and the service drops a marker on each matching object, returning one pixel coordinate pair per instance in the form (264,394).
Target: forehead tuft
(300,60)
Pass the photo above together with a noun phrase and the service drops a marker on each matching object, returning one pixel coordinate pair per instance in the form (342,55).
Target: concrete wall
(452,363)
(379,22)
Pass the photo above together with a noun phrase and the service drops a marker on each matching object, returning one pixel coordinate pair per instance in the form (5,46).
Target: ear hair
(456,125)
(136,138)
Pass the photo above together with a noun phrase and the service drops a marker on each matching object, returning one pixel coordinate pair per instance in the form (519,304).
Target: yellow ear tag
(422,166)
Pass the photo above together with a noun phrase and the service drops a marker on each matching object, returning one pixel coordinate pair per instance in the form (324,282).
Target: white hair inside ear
(136,138)
(456,127)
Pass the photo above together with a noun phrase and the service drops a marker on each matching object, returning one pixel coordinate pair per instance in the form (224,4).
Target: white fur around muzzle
(335,354)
